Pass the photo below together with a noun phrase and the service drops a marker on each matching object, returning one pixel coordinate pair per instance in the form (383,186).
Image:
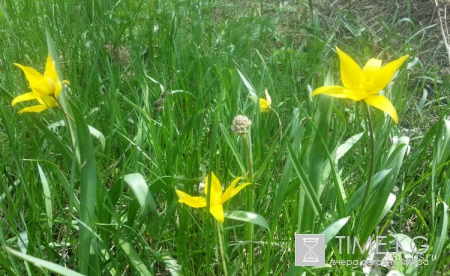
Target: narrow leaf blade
(248,217)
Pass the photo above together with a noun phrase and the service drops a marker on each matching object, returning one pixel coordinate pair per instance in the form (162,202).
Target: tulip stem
(249,160)
(279,122)
(222,251)
(68,116)
(63,111)
(250,202)
(372,156)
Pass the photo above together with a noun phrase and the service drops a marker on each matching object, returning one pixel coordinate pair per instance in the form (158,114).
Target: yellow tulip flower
(44,88)
(364,84)
(216,197)
(264,104)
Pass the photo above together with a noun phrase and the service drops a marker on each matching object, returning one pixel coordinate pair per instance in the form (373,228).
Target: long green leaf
(250,88)
(443,143)
(316,162)
(347,145)
(381,196)
(172,265)
(133,256)
(297,131)
(440,240)
(88,180)
(61,179)
(375,214)
(94,132)
(232,146)
(331,230)
(306,184)
(62,98)
(57,142)
(43,263)
(356,198)
(47,198)
(441,154)
(141,191)
(248,217)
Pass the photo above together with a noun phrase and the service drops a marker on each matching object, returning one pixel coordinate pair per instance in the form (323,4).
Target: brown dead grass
(416,23)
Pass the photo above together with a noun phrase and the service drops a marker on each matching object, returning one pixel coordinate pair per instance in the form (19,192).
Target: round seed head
(241,124)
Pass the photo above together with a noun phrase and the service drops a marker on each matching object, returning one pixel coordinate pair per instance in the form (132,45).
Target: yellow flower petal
(229,190)
(382,103)
(50,70)
(268,98)
(333,91)
(48,101)
(364,84)
(356,94)
(216,189)
(351,73)
(217,212)
(371,67)
(30,73)
(381,78)
(52,74)
(193,201)
(58,88)
(35,108)
(25,97)
(215,208)
(232,191)
(38,83)
(264,106)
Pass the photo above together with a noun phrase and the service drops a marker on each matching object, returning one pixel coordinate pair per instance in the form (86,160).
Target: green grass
(91,190)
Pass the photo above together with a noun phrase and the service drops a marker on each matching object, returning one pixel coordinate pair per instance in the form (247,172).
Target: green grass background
(152,113)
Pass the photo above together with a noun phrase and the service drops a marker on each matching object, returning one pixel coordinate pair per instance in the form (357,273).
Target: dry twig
(443,25)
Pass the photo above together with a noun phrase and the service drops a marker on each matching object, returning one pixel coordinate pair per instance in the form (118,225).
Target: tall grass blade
(43,263)
(248,217)
(331,230)
(141,191)
(133,256)
(47,199)
(441,239)
(88,194)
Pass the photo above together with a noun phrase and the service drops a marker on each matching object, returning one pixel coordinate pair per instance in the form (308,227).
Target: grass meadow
(91,187)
